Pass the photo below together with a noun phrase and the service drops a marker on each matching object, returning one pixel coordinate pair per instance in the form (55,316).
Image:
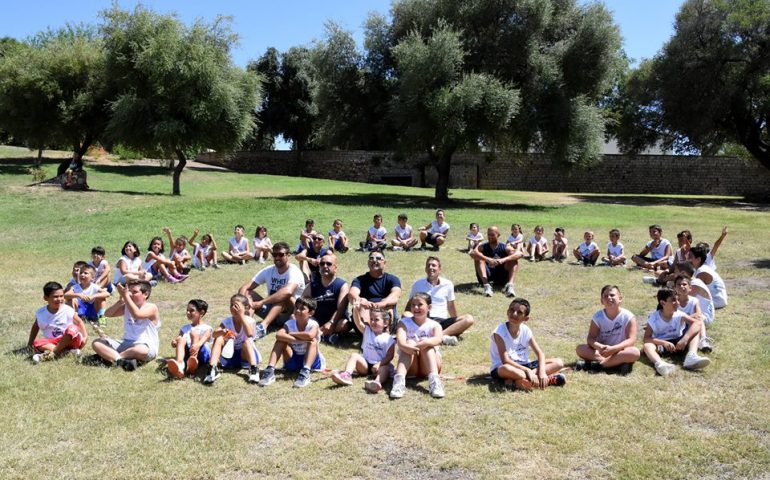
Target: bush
(125,153)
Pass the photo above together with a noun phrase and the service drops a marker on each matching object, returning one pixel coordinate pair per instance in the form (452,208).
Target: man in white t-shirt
(442,307)
(285,283)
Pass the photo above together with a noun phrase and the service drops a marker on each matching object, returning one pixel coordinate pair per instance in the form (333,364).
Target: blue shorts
(87,311)
(236,361)
(497,275)
(297,363)
(204,353)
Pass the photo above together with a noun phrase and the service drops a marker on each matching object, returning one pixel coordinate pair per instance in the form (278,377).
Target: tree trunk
(78,150)
(443,163)
(178,171)
(39,158)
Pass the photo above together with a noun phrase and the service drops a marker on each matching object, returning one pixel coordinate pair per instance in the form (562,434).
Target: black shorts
(431,238)
(530,365)
(497,275)
(445,322)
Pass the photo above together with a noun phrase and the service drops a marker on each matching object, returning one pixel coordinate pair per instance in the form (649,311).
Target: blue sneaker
(259,331)
(303,380)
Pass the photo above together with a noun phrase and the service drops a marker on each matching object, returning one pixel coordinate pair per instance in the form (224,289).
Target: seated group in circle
(311,309)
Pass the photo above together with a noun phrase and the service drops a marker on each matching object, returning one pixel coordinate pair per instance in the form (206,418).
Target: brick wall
(661,174)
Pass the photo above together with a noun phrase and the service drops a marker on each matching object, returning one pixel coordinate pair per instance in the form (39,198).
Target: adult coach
(442,308)
(376,289)
(331,295)
(285,283)
(496,262)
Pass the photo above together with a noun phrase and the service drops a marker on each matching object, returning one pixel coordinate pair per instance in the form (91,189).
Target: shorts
(87,311)
(72,331)
(588,261)
(445,322)
(497,275)
(666,353)
(123,345)
(236,361)
(297,362)
(431,239)
(204,353)
(530,365)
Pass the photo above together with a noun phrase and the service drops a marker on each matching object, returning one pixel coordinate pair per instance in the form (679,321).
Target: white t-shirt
(99,268)
(336,235)
(403,233)
(261,242)
(377,233)
(709,261)
(204,251)
(517,239)
(300,348)
(716,287)
(239,246)
(141,331)
(615,250)
(240,336)
(534,241)
(149,262)
(200,329)
(612,331)
(689,307)
(440,295)
(132,265)
(274,280)
(374,347)
(667,330)
(436,228)
(585,250)
(53,325)
(416,332)
(659,251)
(516,348)
(476,237)
(706,303)
(91,290)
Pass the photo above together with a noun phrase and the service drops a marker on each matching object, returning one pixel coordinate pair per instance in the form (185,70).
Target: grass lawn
(64,419)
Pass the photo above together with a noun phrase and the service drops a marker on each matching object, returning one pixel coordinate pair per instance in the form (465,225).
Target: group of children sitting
(677,325)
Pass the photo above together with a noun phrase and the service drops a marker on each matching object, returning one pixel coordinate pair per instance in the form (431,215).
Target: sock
(101,311)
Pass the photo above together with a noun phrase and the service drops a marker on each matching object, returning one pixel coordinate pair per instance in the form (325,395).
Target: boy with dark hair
(87,297)
(62,328)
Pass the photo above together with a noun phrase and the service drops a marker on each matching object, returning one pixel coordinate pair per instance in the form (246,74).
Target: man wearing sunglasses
(376,289)
(285,283)
(331,295)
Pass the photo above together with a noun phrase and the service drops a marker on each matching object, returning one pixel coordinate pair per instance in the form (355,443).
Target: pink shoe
(342,378)
(372,386)
(181,276)
(171,279)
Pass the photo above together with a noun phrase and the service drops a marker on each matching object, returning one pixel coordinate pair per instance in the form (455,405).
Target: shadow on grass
(645,201)
(130,170)
(21,166)
(494,386)
(379,200)
(761,263)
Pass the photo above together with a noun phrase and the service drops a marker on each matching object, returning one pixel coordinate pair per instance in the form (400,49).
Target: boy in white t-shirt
(560,245)
(297,342)
(102,267)
(403,240)
(435,232)
(376,240)
(192,344)
(509,352)
(61,326)
(587,252)
(87,297)
(616,254)
(233,346)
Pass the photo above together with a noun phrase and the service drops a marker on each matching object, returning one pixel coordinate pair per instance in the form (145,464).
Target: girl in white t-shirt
(418,339)
(474,237)
(537,245)
(262,244)
(377,350)
(205,252)
(611,336)
(129,267)
(158,265)
(509,347)
(668,331)
(516,238)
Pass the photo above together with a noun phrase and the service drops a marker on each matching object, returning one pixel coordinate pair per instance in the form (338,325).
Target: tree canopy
(708,86)
(175,89)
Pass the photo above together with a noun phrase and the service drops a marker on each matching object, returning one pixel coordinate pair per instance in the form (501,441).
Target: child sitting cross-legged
(86,296)
(509,351)
(62,328)
(297,342)
(377,350)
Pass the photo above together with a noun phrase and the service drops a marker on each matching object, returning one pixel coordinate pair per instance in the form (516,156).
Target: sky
(644,24)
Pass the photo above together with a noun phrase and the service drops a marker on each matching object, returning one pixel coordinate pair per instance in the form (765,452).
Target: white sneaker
(396,248)
(664,368)
(212,376)
(436,388)
(705,345)
(450,341)
(254,374)
(488,290)
(695,362)
(649,280)
(509,291)
(399,387)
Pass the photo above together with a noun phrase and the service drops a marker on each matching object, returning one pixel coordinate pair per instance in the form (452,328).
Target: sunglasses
(376,259)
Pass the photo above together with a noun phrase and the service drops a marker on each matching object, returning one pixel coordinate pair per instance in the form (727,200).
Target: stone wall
(658,174)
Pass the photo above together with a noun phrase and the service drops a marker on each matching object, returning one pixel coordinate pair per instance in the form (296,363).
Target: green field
(67,420)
